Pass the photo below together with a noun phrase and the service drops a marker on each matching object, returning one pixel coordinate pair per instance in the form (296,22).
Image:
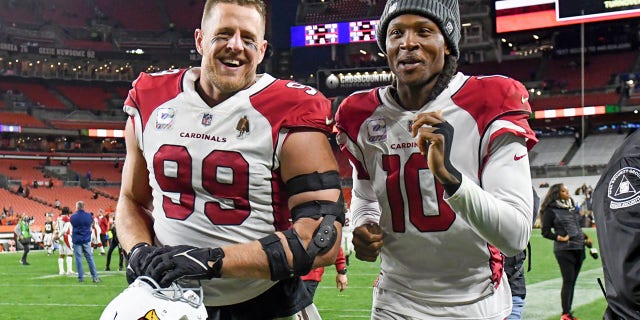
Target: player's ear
(198,36)
(266,51)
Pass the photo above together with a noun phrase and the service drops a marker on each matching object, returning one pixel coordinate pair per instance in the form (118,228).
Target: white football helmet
(145,300)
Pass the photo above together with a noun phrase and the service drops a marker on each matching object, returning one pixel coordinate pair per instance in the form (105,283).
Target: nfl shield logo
(206,119)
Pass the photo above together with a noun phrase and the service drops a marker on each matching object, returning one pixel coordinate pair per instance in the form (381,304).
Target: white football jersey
(214,171)
(63,230)
(437,250)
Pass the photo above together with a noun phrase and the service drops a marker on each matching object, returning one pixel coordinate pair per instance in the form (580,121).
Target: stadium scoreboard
(572,10)
(334,33)
(519,15)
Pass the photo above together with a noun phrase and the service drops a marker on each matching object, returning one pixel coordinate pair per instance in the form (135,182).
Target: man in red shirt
(313,278)
(103,220)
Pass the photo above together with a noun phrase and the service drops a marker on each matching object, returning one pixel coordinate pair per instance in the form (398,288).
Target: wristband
(136,247)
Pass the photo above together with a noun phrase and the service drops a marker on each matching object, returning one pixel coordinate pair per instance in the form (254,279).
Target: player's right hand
(367,241)
(139,258)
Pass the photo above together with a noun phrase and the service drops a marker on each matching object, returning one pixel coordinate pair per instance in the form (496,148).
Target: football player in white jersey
(441,176)
(63,230)
(95,234)
(347,234)
(221,163)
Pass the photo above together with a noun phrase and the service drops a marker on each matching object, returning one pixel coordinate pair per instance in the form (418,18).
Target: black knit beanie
(443,12)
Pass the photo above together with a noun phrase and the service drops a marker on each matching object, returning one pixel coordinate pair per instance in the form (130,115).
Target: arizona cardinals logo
(243,126)
(150,315)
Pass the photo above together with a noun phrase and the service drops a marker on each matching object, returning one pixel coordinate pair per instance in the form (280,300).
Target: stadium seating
(600,69)
(134,15)
(522,70)
(25,170)
(122,92)
(550,151)
(36,92)
(113,192)
(21,205)
(57,11)
(20,119)
(99,170)
(597,149)
(86,96)
(68,196)
(184,14)
(20,12)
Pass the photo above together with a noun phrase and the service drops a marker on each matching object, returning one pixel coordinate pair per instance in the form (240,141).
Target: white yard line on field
(543,298)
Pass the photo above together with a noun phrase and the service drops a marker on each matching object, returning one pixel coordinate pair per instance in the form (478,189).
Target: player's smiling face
(232,45)
(416,49)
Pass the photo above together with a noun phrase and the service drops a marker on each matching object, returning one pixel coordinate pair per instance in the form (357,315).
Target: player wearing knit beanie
(445,13)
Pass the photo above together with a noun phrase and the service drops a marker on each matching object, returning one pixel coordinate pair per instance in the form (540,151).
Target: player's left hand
(185,262)
(434,136)
(341,282)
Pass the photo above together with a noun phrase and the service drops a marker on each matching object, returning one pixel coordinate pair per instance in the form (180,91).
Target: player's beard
(231,84)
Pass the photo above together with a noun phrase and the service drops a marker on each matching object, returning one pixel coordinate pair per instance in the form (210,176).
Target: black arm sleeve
(548,217)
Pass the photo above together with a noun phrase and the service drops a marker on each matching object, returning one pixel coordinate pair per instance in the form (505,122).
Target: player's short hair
(257,4)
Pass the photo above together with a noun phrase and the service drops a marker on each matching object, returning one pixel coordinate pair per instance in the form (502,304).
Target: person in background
(81,236)
(561,223)
(23,235)
(113,244)
(616,207)
(96,231)
(63,235)
(48,233)
(441,180)
(103,222)
(313,278)
(514,268)
(221,191)
(347,234)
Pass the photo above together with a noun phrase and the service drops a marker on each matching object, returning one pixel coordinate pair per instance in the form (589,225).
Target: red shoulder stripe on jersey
(362,173)
(152,90)
(500,96)
(355,109)
(288,104)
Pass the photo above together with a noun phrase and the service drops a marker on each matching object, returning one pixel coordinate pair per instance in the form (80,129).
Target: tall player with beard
(441,178)
(219,161)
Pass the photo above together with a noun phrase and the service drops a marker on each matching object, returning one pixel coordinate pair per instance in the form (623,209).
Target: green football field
(38,292)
